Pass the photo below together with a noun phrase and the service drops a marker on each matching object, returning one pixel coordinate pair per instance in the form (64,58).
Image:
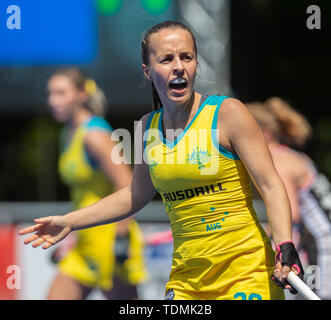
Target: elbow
(271,187)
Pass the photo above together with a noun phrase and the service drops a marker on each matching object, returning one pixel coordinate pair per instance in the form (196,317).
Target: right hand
(287,259)
(47,231)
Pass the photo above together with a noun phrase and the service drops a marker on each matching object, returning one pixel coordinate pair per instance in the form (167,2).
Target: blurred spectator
(308,189)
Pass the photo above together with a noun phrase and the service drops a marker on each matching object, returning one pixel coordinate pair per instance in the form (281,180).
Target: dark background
(272,54)
(275,54)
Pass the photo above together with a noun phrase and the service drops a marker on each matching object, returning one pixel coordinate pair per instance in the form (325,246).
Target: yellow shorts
(241,269)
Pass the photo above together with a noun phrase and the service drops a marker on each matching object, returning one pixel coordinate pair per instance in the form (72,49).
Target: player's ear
(146,72)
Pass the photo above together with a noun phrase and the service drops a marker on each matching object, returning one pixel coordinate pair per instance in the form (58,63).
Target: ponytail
(97,101)
(264,117)
(294,128)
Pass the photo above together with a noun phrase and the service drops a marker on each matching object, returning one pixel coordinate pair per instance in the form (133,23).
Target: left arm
(241,134)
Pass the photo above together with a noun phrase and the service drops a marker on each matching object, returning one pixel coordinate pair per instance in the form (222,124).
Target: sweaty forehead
(171,40)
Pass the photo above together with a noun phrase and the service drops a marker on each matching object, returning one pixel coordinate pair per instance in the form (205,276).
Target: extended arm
(115,207)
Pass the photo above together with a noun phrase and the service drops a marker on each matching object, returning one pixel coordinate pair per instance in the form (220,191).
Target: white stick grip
(301,287)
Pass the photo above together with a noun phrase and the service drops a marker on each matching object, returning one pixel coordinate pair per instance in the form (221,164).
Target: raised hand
(47,231)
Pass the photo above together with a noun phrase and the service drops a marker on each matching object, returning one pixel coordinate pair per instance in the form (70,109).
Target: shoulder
(147,119)
(232,107)
(234,115)
(98,133)
(98,123)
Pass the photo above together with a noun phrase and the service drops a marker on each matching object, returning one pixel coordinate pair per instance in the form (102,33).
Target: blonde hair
(264,117)
(285,123)
(295,129)
(97,102)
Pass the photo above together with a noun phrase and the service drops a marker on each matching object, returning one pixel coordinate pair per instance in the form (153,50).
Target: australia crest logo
(199,157)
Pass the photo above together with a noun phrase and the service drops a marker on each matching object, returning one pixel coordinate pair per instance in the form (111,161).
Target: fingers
(38,242)
(36,239)
(296,269)
(277,274)
(285,271)
(280,274)
(43,220)
(40,233)
(47,245)
(30,229)
(284,274)
(33,237)
(39,222)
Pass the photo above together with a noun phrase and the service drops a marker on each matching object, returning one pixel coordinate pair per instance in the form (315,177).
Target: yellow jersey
(220,249)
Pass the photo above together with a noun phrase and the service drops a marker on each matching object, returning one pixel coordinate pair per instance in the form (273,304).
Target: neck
(80,115)
(177,115)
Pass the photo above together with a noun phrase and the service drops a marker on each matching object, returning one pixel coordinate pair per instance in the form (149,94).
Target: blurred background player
(107,257)
(308,189)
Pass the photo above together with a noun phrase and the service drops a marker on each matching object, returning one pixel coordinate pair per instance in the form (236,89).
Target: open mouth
(178,84)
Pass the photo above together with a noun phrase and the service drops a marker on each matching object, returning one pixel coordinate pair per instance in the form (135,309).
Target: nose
(178,66)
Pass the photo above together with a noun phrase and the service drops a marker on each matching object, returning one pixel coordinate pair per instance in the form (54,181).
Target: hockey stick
(302,288)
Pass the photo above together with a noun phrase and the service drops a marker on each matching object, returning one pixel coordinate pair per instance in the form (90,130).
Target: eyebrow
(167,53)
